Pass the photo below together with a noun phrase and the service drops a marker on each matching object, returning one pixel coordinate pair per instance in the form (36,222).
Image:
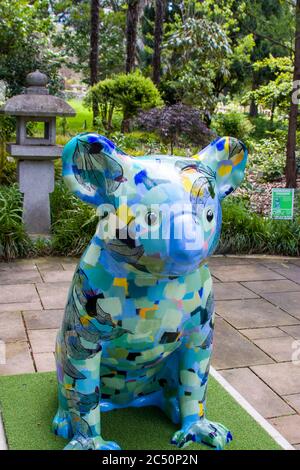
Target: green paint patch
(28,404)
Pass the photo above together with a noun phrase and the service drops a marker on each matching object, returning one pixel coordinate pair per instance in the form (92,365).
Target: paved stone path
(257,327)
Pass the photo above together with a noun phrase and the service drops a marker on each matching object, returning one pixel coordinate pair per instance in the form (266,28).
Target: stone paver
(267,287)
(280,349)
(231,349)
(289,301)
(253,313)
(58,276)
(43,319)
(262,333)
(232,291)
(244,273)
(69,266)
(288,270)
(283,378)
(293,331)
(19,297)
(289,427)
(19,265)
(12,327)
(259,395)
(18,359)
(227,261)
(257,326)
(29,276)
(294,401)
(42,341)
(53,295)
(45,362)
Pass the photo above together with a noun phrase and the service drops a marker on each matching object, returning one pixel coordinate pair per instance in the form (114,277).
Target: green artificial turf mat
(28,404)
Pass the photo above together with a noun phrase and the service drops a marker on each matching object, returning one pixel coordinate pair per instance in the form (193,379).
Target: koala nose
(187,239)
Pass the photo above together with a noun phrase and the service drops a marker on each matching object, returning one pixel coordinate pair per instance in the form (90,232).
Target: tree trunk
(160,6)
(273,112)
(94,52)
(291,169)
(126,122)
(253,112)
(131,33)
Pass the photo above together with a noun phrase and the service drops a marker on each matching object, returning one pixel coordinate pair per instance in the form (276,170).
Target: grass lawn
(81,122)
(28,404)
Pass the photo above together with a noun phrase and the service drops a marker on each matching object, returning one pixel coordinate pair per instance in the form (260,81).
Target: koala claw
(80,442)
(205,432)
(61,425)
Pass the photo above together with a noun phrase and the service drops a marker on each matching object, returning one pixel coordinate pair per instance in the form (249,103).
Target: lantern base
(36,181)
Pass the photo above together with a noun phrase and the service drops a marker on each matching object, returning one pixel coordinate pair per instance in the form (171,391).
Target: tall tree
(132,20)
(291,169)
(160,6)
(94,51)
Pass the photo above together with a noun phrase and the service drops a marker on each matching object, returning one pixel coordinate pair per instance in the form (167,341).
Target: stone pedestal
(36,181)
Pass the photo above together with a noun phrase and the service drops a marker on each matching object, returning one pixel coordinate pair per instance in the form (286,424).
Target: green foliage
(137,141)
(14,241)
(73,222)
(276,92)
(74,38)
(271,22)
(25,44)
(268,158)
(7,169)
(125,92)
(196,53)
(245,232)
(233,124)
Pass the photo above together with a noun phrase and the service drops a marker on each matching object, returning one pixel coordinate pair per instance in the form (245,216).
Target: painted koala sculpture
(138,325)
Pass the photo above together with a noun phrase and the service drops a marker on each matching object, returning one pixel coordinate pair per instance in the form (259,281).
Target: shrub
(127,92)
(268,157)
(245,232)
(14,242)
(8,171)
(7,168)
(73,222)
(175,123)
(233,124)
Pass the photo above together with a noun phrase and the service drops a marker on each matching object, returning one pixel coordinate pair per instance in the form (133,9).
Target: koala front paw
(204,432)
(80,442)
(61,425)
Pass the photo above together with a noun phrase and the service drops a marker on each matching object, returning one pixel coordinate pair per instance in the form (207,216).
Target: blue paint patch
(93,138)
(220,144)
(188,296)
(140,177)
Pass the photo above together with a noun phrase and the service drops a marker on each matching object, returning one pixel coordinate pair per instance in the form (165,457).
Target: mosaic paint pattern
(138,325)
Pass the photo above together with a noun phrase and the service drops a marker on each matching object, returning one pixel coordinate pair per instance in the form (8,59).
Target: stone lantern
(35,155)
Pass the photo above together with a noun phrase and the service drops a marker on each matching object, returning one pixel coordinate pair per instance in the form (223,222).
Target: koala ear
(227,158)
(93,167)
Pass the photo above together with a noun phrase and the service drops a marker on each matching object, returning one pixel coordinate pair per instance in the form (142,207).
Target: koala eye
(151,218)
(209,215)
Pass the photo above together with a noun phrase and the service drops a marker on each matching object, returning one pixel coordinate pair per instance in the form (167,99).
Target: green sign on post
(282,203)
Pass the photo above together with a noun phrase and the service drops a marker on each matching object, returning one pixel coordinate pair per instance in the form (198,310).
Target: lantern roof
(36,100)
